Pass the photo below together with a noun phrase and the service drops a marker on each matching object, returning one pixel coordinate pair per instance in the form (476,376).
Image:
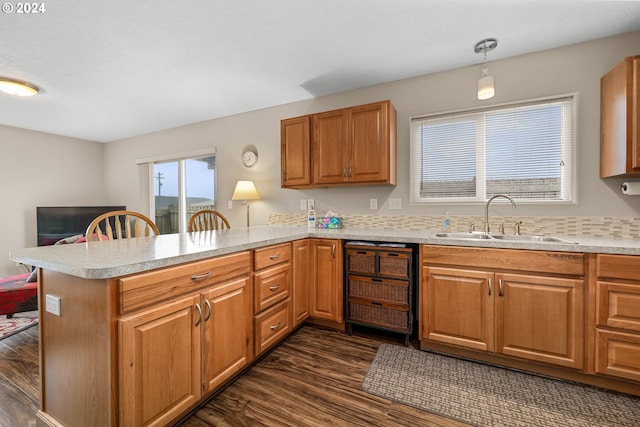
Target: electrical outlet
(230,204)
(303,204)
(311,204)
(395,203)
(52,304)
(373,203)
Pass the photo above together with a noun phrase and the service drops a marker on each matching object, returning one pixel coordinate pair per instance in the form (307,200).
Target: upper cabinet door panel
(369,146)
(295,151)
(329,147)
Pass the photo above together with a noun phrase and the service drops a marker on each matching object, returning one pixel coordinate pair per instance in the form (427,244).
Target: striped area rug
(484,395)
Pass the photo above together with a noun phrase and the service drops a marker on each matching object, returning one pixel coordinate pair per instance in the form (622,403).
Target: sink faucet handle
(501,228)
(517,228)
(472,227)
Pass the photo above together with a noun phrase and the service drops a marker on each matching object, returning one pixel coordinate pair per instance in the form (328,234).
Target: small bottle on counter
(311,218)
(446,222)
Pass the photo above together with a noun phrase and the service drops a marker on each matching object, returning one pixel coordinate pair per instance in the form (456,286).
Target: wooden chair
(208,219)
(135,225)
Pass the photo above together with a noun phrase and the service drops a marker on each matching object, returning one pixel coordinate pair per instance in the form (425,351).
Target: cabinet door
(540,318)
(330,147)
(299,288)
(295,151)
(227,332)
(326,280)
(159,360)
(369,147)
(458,307)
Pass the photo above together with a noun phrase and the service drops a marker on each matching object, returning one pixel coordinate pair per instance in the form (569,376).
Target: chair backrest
(208,219)
(134,224)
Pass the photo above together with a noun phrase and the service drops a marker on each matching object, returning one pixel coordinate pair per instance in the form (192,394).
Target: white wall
(575,68)
(39,169)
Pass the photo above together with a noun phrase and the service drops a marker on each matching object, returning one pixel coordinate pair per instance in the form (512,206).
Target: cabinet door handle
(276,326)
(201,276)
(500,288)
(206,301)
(276,256)
(350,171)
(333,250)
(490,287)
(199,314)
(344,172)
(274,288)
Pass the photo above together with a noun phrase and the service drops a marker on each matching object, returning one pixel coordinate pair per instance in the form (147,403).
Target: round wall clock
(249,158)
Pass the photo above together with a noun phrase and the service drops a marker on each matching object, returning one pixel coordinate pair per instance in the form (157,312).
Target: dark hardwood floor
(312,379)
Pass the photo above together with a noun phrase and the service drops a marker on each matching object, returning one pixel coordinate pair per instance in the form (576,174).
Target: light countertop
(108,259)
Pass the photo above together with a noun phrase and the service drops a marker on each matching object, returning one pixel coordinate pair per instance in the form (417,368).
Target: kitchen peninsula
(128,309)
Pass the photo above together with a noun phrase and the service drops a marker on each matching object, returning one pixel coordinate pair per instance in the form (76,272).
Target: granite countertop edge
(110,259)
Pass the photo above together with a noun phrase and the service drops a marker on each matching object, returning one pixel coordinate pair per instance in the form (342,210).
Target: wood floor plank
(313,379)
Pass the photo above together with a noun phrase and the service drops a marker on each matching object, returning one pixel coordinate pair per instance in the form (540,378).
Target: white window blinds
(524,150)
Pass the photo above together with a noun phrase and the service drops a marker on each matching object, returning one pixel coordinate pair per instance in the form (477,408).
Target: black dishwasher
(380,288)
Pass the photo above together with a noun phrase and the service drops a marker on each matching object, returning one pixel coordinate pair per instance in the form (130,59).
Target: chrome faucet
(486,209)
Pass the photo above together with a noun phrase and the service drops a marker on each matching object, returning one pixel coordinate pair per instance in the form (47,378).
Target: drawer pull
(206,301)
(375,279)
(201,276)
(393,254)
(276,256)
(274,288)
(199,314)
(376,303)
(276,326)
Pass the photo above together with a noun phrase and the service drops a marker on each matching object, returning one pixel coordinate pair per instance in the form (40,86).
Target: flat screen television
(55,223)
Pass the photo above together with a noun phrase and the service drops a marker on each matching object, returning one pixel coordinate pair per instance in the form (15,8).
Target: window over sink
(524,149)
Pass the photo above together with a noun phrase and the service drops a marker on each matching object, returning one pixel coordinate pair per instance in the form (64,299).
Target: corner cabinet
(478,299)
(355,145)
(619,120)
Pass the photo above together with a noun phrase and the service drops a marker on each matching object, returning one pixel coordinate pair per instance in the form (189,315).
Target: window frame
(568,148)
(181,159)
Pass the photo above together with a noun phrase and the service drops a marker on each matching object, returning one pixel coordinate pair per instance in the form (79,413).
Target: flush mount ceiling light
(17,88)
(486,89)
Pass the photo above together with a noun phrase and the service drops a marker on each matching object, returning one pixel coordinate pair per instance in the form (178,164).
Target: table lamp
(245,191)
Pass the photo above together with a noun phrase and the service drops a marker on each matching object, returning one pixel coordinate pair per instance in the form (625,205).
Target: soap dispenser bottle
(446,222)
(311,218)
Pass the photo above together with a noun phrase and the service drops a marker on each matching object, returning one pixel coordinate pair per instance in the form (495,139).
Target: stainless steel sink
(505,237)
(535,239)
(471,236)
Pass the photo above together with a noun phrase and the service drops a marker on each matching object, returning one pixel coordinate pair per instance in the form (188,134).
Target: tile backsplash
(592,226)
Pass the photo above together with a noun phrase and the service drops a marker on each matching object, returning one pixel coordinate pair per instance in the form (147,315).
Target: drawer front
(271,286)
(618,305)
(394,264)
(271,255)
(618,266)
(618,354)
(385,290)
(361,261)
(272,325)
(385,315)
(142,290)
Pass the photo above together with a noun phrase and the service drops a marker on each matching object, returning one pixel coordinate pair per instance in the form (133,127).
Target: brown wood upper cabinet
(619,117)
(355,145)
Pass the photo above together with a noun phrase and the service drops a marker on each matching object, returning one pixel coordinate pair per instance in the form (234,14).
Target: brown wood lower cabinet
(618,316)
(326,280)
(533,316)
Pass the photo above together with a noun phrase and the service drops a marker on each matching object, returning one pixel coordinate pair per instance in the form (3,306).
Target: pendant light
(486,88)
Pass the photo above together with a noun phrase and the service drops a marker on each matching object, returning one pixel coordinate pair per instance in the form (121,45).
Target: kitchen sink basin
(535,239)
(505,237)
(471,236)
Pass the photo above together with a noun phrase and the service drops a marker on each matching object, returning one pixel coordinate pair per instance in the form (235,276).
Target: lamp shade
(245,190)
(17,88)
(486,89)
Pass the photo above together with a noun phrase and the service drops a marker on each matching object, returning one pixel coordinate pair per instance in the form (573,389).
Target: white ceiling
(113,69)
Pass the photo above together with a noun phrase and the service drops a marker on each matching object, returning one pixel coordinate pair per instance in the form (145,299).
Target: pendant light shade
(486,87)
(486,90)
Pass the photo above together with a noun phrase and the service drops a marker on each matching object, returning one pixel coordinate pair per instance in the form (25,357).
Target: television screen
(55,223)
